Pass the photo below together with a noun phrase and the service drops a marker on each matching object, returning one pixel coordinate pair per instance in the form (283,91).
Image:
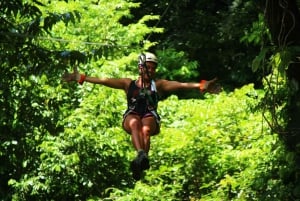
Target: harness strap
(151,100)
(149,97)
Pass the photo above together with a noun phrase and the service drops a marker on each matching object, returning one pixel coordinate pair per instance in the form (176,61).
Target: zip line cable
(162,16)
(142,57)
(61,40)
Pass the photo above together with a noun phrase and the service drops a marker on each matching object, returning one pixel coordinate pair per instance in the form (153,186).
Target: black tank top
(142,100)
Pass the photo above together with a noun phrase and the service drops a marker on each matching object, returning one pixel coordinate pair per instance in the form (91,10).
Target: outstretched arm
(117,83)
(204,86)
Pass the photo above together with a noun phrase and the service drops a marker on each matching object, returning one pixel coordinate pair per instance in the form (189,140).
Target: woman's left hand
(68,77)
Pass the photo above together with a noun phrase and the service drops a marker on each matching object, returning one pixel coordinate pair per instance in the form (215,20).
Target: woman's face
(151,70)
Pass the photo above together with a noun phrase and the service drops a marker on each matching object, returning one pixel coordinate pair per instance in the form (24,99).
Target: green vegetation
(64,141)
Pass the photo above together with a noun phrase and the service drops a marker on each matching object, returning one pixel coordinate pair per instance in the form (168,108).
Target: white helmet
(151,57)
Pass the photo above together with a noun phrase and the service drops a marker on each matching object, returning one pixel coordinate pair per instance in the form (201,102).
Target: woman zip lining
(141,119)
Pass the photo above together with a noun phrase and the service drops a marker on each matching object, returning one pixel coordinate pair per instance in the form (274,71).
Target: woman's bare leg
(148,128)
(133,125)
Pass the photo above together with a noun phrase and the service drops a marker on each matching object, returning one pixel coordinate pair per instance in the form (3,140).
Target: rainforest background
(64,141)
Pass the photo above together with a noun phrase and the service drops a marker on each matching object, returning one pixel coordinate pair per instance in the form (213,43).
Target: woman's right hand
(68,77)
(212,87)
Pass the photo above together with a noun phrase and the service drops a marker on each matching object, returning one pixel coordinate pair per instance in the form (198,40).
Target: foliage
(85,159)
(257,33)
(280,59)
(279,89)
(93,36)
(64,142)
(39,40)
(212,34)
(206,152)
(175,66)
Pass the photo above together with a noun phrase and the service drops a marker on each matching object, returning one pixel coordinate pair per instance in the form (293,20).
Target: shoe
(136,169)
(140,163)
(145,165)
(144,160)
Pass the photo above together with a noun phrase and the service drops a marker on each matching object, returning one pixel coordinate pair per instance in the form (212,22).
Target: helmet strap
(143,64)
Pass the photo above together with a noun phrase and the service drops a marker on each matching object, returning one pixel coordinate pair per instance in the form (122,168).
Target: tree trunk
(283,20)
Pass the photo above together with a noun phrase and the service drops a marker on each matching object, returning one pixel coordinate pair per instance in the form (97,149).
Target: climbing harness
(144,92)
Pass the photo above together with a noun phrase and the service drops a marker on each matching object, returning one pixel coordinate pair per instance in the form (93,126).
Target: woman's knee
(149,128)
(132,122)
(146,130)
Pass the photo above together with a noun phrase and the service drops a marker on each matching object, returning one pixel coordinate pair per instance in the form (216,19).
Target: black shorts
(144,115)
